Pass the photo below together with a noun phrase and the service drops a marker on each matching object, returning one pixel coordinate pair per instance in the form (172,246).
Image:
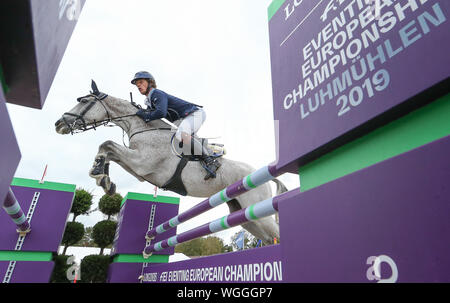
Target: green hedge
(94,269)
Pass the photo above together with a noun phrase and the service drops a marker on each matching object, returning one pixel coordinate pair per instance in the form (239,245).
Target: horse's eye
(83,101)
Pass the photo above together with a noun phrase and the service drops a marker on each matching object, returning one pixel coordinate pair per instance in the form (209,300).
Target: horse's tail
(280,187)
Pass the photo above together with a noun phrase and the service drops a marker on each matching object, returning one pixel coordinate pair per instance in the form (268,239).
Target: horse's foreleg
(100,167)
(109,151)
(100,172)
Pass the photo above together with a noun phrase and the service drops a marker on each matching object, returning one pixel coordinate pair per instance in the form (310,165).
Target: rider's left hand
(143,114)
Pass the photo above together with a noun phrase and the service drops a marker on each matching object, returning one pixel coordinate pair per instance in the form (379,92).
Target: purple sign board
(339,65)
(2,94)
(385,223)
(32,45)
(48,210)
(26,271)
(259,265)
(124,272)
(9,151)
(136,215)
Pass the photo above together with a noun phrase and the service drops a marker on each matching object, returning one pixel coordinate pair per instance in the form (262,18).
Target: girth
(175,183)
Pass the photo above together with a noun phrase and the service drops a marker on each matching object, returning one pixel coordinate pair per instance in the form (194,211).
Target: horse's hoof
(104,182)
(95,173)
(112,189)
(108,186)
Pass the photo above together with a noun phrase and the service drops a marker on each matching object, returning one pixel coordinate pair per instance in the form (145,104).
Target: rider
(162,105)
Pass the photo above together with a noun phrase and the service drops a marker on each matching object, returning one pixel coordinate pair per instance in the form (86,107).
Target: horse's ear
(94,87)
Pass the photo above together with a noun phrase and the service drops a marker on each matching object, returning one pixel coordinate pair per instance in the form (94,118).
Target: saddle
(175,183)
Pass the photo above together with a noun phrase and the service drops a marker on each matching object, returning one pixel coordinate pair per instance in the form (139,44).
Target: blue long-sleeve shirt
(163,105)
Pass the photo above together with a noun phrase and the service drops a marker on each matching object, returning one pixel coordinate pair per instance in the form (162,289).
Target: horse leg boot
(100,172)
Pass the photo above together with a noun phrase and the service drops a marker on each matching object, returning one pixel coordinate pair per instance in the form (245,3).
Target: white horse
(150,157)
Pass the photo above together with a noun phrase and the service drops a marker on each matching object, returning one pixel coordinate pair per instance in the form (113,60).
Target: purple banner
(385,223)
(337,64)
(259,265)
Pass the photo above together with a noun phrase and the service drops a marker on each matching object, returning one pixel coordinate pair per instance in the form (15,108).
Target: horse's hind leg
(265,229)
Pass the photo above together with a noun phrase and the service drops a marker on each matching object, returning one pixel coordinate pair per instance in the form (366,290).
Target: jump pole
(254,212)
(13,209)
(255,179)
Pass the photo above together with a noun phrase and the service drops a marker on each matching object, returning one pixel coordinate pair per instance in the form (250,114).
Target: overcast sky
(212,53)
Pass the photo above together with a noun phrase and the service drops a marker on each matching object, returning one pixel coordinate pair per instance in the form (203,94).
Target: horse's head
(90,112)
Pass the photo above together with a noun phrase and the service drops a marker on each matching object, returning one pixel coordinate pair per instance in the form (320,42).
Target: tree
(249,241)
(72,234)
(87,240)
(228,248)
(94,268)
(103,233)
(59,274)
(82,202)
(213,246)
(110,205)
(190,248)
(202,247)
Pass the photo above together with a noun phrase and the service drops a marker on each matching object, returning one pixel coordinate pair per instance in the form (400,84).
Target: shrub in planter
(94,269)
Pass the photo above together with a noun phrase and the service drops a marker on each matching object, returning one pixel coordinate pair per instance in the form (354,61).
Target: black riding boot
(199,149)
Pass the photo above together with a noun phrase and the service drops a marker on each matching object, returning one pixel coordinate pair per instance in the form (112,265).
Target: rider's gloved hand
(143,114)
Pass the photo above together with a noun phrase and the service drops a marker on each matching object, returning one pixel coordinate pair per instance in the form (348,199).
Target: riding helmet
(142,75)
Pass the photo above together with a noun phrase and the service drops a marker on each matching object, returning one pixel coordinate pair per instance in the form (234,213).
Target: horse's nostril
(57,122)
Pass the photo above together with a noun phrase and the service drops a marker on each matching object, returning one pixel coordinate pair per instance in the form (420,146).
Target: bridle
(79,118)
(74,127)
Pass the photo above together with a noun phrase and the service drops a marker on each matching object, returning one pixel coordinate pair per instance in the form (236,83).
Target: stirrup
(207,162)
(210,174)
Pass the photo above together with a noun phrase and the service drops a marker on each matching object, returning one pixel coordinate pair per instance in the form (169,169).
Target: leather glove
(143,114)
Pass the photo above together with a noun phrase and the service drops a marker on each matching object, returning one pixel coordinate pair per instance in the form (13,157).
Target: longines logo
(70,8)
(291,6)
(374,271)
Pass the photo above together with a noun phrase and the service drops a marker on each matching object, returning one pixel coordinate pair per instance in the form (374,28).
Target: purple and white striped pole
(250,182)
(254,212)
(13,209)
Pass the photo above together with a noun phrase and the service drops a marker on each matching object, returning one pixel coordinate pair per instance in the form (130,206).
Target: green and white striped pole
(250,182)
(13,209)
